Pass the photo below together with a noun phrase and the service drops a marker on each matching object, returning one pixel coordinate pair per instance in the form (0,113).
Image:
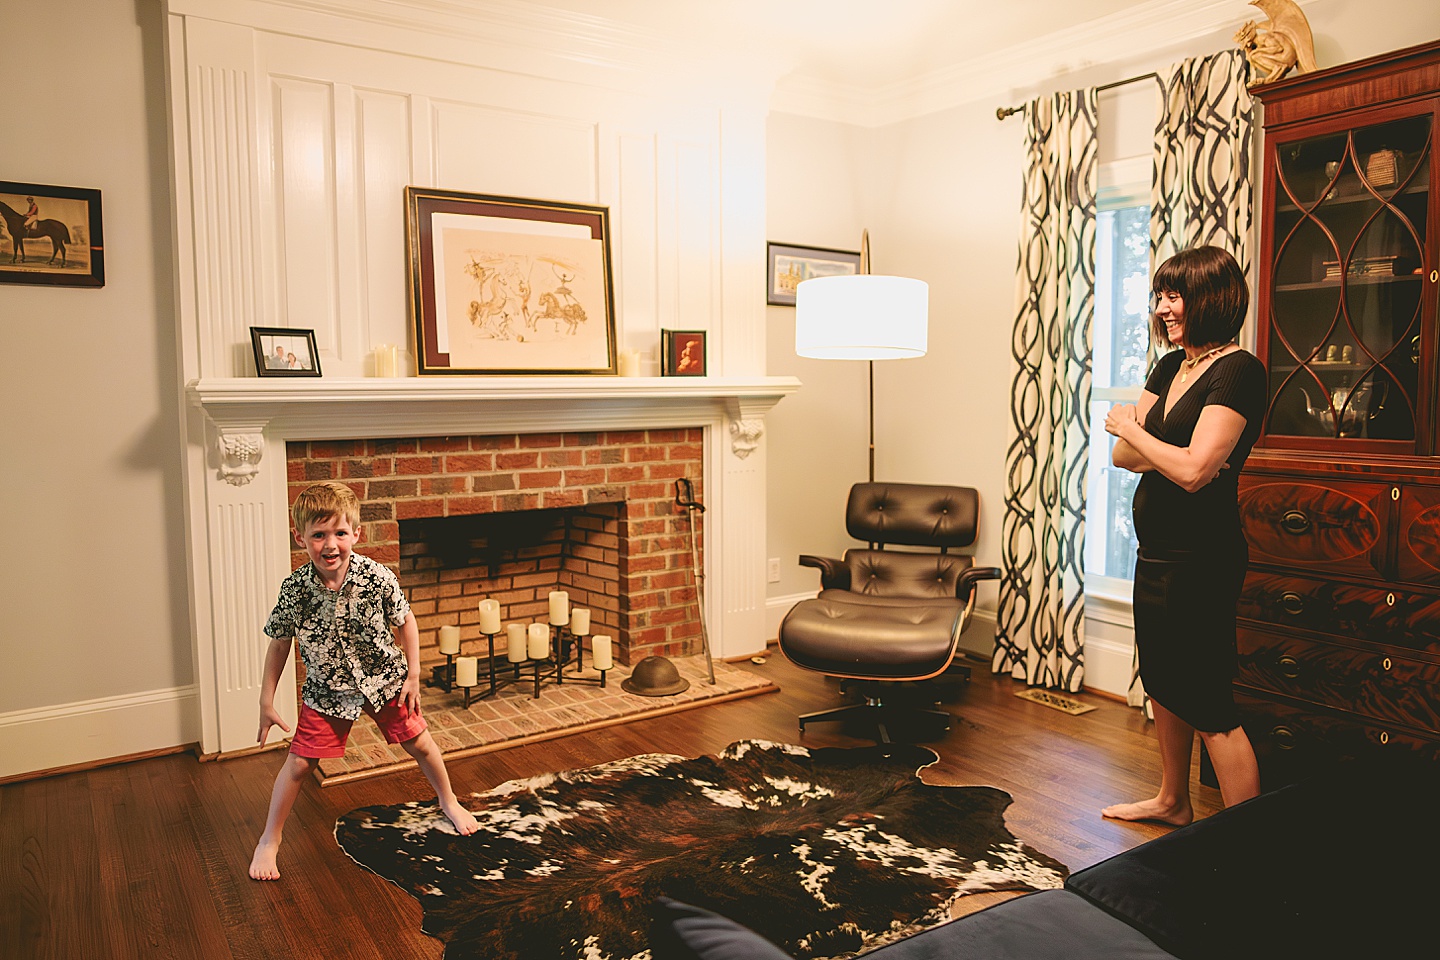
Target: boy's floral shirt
(349,651)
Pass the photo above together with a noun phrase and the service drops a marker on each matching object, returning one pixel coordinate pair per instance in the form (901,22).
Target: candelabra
(535,654)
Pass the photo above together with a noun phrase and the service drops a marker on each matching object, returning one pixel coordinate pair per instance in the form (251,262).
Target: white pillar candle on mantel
(600,652)
(489,616)
(449,639)
(627,363)
(387,360)
(515,642)
(580,621)
(559,608)
(466,671)
(539,641)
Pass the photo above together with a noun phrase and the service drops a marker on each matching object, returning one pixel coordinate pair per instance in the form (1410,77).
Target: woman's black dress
(1192,551)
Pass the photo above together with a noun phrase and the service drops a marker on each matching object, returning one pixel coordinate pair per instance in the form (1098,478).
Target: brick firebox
(431,477)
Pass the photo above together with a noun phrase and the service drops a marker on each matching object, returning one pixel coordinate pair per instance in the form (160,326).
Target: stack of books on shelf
(1363,267)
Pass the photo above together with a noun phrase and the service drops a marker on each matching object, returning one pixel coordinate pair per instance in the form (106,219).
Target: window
(1120,338)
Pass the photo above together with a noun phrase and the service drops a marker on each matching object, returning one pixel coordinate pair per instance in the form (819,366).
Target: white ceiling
(863,43)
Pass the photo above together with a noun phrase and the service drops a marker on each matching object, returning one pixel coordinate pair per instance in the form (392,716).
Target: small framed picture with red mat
(683,353)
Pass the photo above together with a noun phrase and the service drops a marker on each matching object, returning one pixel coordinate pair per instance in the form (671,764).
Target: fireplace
(239,478)
(514,516)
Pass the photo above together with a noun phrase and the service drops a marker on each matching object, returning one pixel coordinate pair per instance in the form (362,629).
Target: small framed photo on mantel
(790,265)
(51,235)
(683,353)
(285,352)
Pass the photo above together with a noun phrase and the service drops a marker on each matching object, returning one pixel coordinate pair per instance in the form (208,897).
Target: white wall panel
(223,157)
(513,153)
(697,237)
(634,245)
(382,134)
(307,244)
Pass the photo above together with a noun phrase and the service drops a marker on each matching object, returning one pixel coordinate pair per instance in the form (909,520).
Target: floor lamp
(862,317)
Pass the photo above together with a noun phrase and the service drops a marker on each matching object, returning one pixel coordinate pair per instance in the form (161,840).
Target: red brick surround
(402,479)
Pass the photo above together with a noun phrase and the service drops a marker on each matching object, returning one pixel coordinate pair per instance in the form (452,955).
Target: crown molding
(1156,25)
(507,35)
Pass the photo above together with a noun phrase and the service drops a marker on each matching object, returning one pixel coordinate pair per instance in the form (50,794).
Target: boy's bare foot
(463,819)
(262,865)
(1151,810)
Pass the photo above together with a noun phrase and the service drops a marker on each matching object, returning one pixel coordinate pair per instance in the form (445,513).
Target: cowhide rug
(827,852)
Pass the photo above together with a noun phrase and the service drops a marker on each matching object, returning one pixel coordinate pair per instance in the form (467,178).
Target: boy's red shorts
(318,735)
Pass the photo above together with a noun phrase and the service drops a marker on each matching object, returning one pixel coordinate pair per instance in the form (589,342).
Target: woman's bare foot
(463,819)
(1177,815)
(262,865)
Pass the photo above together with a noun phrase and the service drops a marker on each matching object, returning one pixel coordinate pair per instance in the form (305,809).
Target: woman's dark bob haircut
(1216,298)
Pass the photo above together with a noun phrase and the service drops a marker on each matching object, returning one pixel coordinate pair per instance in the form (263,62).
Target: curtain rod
(1002,112)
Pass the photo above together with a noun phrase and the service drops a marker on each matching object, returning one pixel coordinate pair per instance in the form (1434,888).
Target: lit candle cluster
(524,643)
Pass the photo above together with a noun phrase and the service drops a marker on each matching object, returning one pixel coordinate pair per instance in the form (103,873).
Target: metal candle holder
(442,675)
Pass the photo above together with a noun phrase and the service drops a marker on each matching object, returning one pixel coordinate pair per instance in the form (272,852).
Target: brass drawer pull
(1289,666)
(1384,737)
(1295,521)
(1386,664)
(1283,737)
(1292,603)
(1395,491)
(1389,599)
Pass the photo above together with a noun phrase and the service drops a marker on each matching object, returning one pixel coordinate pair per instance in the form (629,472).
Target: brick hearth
(631,565)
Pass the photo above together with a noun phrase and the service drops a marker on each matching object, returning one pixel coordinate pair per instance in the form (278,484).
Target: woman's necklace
(1188,365)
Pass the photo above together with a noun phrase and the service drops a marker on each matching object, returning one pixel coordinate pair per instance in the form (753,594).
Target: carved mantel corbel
(240,455)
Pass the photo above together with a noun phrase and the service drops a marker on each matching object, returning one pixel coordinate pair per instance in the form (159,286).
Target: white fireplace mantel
(245,410)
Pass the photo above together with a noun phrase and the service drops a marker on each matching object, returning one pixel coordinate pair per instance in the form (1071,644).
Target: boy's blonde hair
(323,501)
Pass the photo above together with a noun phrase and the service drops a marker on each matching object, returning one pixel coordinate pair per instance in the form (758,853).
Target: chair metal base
(875,709)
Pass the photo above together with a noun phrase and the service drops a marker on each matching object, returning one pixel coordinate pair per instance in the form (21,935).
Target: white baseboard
(88,731)
(777,607)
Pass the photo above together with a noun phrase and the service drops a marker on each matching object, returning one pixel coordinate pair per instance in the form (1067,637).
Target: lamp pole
(865,271)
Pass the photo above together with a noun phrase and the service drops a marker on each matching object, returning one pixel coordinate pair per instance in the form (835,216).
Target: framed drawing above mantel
(503,285)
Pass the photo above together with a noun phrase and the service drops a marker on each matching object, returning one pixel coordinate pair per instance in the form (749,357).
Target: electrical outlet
(772,570)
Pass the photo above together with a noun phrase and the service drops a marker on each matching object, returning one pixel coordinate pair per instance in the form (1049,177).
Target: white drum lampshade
(861,317)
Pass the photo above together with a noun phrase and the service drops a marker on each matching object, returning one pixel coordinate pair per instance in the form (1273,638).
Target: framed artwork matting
(504,285)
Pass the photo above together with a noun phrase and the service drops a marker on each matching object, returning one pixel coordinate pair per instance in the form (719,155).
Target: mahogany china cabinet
(1339,619)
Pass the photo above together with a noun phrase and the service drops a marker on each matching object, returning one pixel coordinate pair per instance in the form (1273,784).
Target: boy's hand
(270,717)
(410,693)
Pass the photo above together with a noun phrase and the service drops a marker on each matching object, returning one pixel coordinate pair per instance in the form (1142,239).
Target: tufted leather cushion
(845,634)
(890,573)
(912,514)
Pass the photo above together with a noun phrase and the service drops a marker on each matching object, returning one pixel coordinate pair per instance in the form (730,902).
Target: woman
(1196,421)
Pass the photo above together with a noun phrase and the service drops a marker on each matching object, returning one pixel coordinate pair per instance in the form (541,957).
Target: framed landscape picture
(501,285)
(788,265)
(284,352)
(51,235)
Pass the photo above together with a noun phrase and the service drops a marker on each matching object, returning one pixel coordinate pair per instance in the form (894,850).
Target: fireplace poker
(685,497)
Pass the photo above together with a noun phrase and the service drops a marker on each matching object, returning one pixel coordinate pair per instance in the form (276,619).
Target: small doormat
(826,852)
(513,717)
(1055,701)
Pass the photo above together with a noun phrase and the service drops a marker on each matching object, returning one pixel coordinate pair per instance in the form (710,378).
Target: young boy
(342,607)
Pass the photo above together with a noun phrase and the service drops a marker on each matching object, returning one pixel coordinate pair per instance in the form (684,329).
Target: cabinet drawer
(1313,526)
(1378,686)
(1292,743)
(1418,548)
(1380,614)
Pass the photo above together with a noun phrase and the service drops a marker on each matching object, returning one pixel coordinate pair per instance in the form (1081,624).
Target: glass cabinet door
(1346,283)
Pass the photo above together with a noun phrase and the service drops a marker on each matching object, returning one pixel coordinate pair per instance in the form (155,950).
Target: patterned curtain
(1040,624)
(1202,191)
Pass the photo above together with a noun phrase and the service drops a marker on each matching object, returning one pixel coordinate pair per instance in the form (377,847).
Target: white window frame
(1122,183)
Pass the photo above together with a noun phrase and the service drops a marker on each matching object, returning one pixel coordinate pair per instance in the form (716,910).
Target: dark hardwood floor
(148,859)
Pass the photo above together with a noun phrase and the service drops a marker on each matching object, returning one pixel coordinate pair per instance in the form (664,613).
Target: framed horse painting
(500,285)
(51,235)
